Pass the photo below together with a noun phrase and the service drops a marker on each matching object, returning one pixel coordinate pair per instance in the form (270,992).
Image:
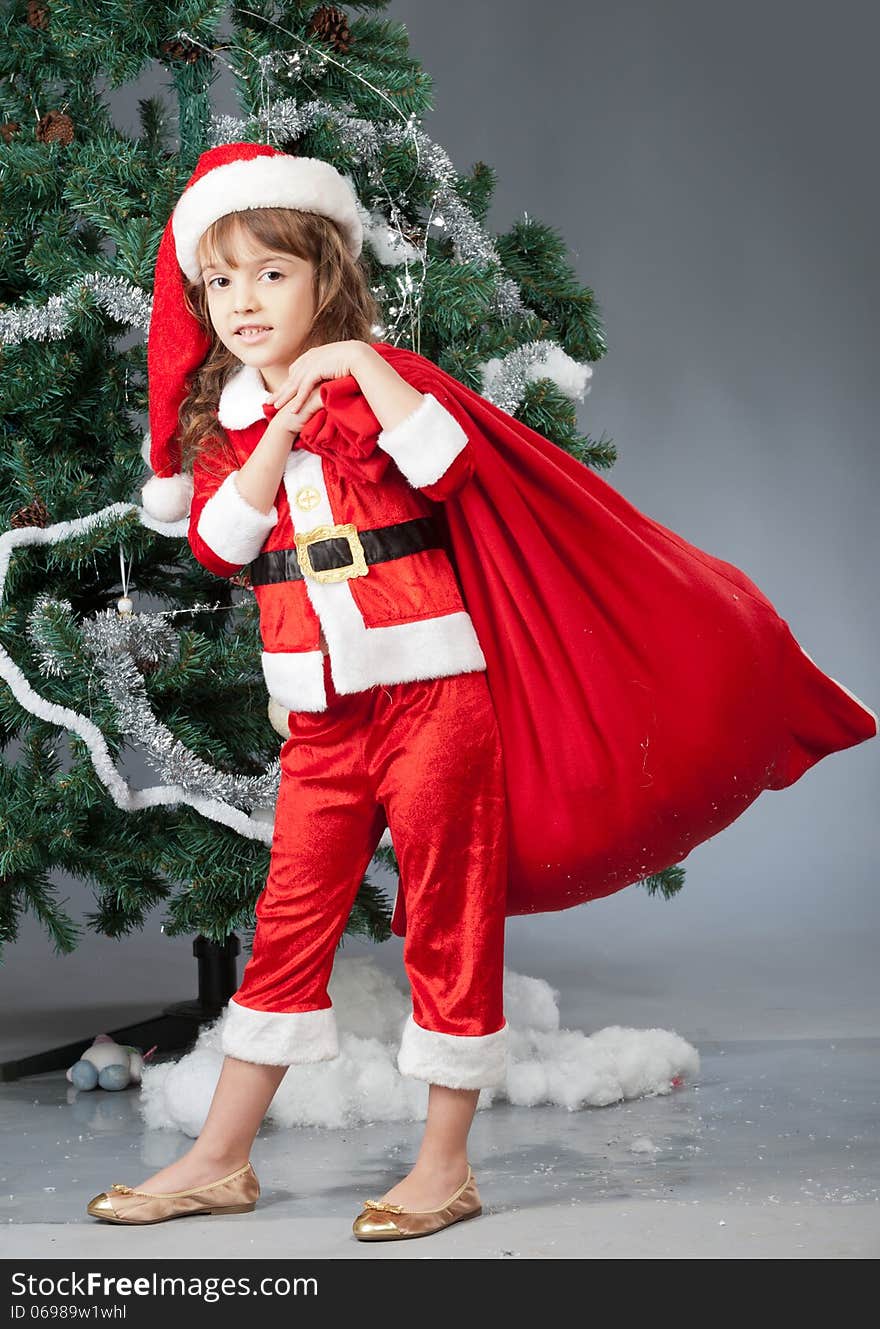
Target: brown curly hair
(344,308)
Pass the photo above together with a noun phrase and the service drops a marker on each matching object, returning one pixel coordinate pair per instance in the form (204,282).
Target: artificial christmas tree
(178,679)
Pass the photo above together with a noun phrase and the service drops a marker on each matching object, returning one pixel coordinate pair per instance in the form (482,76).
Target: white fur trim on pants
(279,1038)
(459,1061)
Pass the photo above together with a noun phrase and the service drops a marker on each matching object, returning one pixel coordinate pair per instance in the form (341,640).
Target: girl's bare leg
(442,1161)
(244,1091)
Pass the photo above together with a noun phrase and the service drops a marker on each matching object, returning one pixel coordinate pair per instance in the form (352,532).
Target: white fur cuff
(279,1038)
(295,679)
(458,1060)
(233,528)
(425,443)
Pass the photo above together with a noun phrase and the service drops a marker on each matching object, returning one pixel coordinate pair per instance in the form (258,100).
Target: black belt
(337,552)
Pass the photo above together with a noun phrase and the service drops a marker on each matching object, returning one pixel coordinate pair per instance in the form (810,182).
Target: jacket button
(307,498)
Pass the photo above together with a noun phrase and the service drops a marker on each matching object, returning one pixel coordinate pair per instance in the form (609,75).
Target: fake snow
(546,1065)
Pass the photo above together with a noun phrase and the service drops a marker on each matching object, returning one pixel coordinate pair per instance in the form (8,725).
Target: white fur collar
(242,398)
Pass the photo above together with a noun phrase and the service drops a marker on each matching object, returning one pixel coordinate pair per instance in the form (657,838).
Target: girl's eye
(270,272)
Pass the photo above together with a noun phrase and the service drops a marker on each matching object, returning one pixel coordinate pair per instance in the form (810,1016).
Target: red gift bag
(646,691)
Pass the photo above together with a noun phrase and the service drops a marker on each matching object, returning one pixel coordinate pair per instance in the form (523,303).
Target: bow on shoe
(125,1190)
(345,430)
(385,1206)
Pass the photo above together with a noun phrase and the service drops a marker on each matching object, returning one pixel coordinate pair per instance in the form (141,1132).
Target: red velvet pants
(425,758)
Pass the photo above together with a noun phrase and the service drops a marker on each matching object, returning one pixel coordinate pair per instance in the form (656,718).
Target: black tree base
(175,1029)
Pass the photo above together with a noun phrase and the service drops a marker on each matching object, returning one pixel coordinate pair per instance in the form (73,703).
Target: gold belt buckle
(348,531)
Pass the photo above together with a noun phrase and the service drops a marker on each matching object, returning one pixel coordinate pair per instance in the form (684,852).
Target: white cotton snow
(571,376)
(546,1064)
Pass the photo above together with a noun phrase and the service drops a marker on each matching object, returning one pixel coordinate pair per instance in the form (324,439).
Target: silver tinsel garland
(257,825)
(286,118)
(121,299)
(115,643)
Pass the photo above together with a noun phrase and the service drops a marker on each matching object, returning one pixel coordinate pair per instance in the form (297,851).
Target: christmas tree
(111,635)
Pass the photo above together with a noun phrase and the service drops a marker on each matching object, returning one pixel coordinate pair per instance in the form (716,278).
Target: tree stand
(176,1028)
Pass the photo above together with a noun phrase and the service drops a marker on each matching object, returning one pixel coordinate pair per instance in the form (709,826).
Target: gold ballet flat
(376,1223)
(235,1194)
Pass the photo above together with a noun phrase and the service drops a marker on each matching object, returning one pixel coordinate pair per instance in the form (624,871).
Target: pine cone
(9,129)
(33,514)
(55,127)
(37,14)
(330,25)
(180,51)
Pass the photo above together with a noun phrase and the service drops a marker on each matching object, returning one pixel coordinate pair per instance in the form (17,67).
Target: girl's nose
(246,299)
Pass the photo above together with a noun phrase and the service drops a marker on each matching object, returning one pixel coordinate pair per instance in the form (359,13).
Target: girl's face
(262,306)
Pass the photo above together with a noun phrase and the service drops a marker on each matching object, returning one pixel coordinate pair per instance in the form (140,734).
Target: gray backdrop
(711,170)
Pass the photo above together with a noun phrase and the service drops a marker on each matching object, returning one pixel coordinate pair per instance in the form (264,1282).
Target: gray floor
(773,1153)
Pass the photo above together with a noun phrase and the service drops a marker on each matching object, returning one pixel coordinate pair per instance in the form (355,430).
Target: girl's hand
(289,420)
(336,359)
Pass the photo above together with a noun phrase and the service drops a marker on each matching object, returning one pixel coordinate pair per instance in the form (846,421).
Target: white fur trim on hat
(283,181)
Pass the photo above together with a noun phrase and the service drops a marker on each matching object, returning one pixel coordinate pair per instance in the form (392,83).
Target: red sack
(646,691)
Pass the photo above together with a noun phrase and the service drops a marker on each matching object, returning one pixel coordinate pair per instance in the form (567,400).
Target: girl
(645,692)
(368,648)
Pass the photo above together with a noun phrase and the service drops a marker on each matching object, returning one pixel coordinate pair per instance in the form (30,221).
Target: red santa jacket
(404,618)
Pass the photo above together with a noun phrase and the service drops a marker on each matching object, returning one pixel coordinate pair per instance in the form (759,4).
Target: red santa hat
(228,178)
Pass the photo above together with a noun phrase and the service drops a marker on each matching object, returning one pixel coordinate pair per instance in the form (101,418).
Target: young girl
(644,691)
(368,647)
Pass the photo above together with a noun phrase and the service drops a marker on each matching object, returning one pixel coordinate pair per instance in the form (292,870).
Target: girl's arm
(225,530)
(390,397)
(232,515)
(424,437)
(259,477)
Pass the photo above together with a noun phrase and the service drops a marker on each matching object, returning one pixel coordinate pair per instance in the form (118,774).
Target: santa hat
(228,178)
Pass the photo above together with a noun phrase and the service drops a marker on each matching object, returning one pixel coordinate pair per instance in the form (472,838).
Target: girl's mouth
(253,334)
